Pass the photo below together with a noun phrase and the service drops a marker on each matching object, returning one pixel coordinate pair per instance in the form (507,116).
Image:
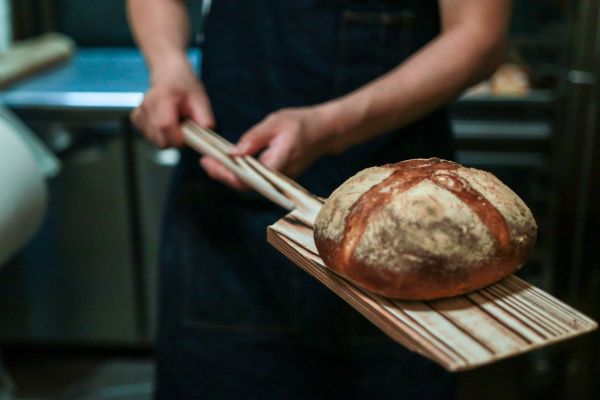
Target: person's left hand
(290,140)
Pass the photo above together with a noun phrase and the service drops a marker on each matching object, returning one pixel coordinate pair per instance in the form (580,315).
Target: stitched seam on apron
(402,18)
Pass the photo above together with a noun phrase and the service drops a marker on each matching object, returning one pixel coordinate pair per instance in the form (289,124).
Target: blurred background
(77,304)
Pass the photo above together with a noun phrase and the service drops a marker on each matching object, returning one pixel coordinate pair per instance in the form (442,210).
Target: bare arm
(468,50)
(161,30)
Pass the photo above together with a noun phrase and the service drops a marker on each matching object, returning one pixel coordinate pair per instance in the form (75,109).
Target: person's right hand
(175,92)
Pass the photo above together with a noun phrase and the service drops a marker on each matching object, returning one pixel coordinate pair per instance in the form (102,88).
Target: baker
(317,90)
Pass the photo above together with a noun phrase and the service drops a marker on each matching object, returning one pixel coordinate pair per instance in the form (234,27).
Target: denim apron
(237,319)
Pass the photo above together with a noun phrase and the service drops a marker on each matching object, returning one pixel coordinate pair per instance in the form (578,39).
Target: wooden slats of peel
(460,333)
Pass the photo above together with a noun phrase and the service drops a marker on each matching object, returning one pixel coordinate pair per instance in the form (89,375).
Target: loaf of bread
(424,229)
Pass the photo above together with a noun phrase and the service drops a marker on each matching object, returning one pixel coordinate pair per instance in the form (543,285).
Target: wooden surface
(460,333)
(33,55)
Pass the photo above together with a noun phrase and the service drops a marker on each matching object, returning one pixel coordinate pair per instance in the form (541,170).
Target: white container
(22,191)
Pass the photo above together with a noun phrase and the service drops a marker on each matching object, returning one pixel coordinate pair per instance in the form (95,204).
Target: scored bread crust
(424,229)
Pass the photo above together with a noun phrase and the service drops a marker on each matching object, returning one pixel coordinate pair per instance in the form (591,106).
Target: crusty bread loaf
(424,229)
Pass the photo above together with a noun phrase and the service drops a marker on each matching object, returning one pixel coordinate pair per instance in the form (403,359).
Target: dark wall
(100,23)
(104,23)
(532,17)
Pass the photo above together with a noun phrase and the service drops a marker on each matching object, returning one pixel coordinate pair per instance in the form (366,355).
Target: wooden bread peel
(459,333)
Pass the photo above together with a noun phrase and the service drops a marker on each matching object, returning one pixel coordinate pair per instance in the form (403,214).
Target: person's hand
(175,93)
(289,140)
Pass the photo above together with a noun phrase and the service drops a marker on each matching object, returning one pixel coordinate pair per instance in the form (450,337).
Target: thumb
(276,156)
(253,141)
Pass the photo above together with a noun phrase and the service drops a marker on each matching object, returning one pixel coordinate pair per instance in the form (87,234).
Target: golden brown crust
(430,229)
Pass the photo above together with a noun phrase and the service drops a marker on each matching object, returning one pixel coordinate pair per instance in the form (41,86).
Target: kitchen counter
(96,79)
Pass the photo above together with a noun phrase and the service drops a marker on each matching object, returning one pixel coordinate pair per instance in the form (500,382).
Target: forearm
(161,30)
(457,59)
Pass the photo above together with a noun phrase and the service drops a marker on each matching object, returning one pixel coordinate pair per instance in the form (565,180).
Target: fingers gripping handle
(276,187)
